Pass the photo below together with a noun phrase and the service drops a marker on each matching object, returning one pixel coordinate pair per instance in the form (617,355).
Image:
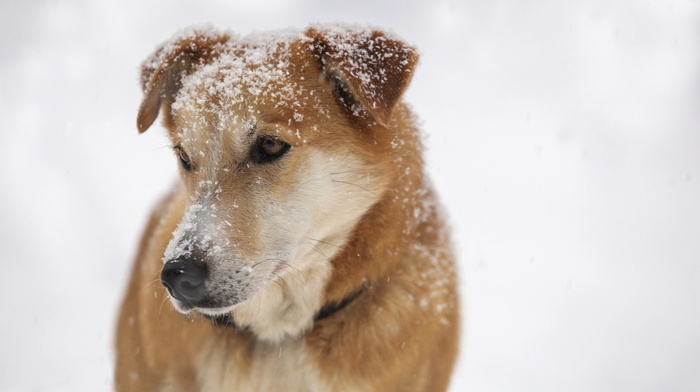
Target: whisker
(314,247)
(293,273)
(165,299)
(325,242)
(168,146)
(278,281)
(150,284)
(287,265)
(353,171)
(359,186)
(283,264)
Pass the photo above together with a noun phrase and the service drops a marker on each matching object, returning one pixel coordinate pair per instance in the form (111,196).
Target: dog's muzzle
(185,280)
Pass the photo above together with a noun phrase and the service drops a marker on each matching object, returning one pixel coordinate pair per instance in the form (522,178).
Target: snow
(244,70)
(562,138)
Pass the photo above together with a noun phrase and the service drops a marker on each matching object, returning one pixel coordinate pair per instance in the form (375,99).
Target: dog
(303,248)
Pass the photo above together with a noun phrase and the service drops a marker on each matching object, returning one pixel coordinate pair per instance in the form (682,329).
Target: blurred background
(563,136)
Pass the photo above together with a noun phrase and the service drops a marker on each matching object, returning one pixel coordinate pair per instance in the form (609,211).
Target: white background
(563,136)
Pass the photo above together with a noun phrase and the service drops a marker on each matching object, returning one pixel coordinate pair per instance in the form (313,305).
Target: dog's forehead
(248,81)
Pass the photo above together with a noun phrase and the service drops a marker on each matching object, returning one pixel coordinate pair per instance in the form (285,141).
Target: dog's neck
(328,310)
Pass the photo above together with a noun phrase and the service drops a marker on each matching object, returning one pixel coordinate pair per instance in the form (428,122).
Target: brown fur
(401,332)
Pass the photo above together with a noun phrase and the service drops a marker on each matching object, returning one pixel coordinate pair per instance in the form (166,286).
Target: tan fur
(348,209)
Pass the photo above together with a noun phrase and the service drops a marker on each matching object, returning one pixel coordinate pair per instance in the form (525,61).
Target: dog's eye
(184,158)
(268,149)
(271,146)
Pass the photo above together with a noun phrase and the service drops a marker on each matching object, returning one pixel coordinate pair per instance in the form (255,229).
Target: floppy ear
(375,68)
(163,71)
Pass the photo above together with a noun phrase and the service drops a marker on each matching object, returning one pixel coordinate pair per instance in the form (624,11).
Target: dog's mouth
(180,306)
(189,295)
(193,288)
(186,308)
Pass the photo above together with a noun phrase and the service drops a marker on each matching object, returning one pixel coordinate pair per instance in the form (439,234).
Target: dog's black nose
(185,280)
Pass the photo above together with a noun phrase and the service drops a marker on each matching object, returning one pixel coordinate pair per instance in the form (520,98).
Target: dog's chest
(281,367)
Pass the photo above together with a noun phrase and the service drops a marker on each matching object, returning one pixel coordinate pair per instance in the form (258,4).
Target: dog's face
(283,146)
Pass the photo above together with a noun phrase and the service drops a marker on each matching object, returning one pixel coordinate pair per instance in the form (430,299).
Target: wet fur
(347,210)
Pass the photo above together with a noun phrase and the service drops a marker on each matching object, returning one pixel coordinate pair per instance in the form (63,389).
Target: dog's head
(284,142)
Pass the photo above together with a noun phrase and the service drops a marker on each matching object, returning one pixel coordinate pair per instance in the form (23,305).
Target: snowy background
(564,137)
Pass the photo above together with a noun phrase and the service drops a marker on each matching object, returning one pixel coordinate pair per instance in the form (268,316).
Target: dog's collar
(329,309)
(332,308)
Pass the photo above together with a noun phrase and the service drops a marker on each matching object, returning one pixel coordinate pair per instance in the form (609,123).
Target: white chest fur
(286,366)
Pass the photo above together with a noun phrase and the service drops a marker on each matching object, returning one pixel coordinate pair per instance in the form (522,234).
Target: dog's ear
(163,71)
(372,67)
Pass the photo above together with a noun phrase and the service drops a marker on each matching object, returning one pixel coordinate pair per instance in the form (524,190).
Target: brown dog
(302,249)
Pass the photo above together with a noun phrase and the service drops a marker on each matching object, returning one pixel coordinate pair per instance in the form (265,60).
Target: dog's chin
(181,307)
(216,312)
(210,312)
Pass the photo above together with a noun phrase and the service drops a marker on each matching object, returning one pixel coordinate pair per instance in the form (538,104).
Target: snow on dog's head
(284,143)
